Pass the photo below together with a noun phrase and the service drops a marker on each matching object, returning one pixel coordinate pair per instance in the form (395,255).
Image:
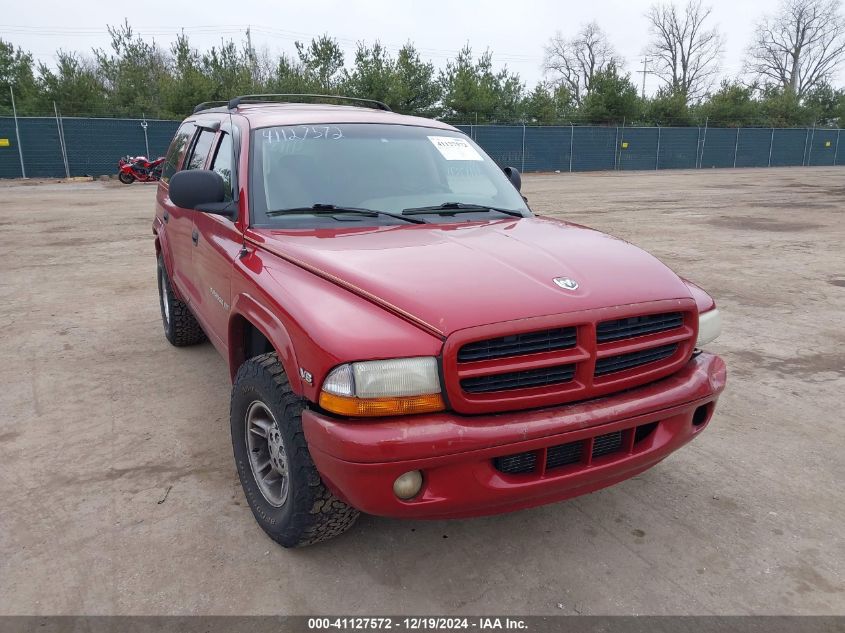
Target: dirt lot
(119,492)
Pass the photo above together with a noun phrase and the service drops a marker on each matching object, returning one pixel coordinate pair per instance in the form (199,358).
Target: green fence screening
(93,146)
(679,147)
(592,148)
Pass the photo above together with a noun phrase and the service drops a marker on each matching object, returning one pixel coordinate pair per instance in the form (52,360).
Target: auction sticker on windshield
(455,148)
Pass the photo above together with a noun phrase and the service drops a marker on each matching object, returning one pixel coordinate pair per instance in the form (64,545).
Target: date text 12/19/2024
(430,623)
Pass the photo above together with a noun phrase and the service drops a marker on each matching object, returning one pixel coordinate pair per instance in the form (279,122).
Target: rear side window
(223,163)
(177,150)
(202,147)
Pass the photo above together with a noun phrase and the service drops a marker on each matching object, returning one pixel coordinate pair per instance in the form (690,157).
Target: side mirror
(202,190)
(513,175)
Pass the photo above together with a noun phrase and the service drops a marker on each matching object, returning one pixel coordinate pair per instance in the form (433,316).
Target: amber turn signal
(379,407)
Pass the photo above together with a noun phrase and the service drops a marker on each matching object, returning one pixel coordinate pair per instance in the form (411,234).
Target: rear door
(217,244)
(176,241)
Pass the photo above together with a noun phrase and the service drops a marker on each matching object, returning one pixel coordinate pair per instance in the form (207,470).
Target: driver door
(218,242)
(176,222)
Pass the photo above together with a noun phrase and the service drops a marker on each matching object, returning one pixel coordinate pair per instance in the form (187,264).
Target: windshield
(389,169)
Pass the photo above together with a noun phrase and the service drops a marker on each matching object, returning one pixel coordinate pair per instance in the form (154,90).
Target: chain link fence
(56,147)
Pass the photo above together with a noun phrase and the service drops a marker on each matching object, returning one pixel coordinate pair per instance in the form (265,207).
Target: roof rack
(371,103)
(205,105)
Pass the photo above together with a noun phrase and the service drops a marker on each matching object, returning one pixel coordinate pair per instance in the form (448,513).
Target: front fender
(329,324)
(702,298)
(245,308)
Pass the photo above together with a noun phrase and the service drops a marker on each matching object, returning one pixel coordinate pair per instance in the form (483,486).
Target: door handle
(166,217)
(195,237)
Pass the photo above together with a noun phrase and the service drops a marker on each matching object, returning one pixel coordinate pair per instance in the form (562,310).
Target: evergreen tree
(186,85)
(132,72)
(322,62)
(416,90)
(668,107)
(733,105)
(17,71)
(473,92)
(612,99)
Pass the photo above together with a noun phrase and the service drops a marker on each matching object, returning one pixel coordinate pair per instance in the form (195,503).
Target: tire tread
(184,329)
(318,514)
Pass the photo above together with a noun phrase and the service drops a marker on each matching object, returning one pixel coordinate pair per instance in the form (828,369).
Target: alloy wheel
(267,455)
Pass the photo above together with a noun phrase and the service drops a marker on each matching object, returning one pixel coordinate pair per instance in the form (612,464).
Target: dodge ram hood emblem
(566,283)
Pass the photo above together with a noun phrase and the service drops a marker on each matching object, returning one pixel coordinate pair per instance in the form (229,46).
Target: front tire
(281,483)
(180,325)
(126,179)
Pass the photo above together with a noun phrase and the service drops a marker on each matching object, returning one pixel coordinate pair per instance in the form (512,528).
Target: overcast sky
(514,31)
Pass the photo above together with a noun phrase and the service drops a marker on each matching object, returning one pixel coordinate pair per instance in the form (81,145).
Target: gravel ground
(120,494)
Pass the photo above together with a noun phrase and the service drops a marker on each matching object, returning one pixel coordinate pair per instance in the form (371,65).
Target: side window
(202,146)
(223,162)
(177,150)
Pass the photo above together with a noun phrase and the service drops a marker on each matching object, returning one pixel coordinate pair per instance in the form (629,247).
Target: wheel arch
(162,247)
(254,330)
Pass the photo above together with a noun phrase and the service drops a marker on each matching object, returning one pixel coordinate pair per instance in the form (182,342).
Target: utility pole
(253,70)
(644,71)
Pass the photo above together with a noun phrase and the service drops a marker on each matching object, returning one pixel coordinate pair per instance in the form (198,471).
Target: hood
(454,276)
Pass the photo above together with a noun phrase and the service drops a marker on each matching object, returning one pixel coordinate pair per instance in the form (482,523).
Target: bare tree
(685,53)
(801,46)
(573,63)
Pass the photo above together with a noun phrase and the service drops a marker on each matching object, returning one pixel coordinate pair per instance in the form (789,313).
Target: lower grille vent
(607,444)
(575,452)
(564,454)
(515,464)
(644,431)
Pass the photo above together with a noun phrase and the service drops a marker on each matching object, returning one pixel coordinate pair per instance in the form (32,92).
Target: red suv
(404,336)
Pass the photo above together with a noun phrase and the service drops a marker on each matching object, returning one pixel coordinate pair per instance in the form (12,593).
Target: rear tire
(281,483)
(180,326)
(126,179)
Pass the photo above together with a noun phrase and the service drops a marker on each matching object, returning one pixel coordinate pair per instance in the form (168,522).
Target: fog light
(408,485)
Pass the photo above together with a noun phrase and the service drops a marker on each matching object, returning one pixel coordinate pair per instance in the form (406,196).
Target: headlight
(398,386)
(709,327)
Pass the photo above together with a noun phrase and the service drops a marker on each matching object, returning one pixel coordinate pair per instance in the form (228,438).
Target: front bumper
(359,460)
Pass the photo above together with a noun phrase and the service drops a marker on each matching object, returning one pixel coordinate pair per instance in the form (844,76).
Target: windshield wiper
(459,207)
(331,209)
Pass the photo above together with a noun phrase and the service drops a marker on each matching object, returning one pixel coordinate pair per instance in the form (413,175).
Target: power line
(229,29)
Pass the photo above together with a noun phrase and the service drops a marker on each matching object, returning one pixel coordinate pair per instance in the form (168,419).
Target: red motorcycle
(139,168)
